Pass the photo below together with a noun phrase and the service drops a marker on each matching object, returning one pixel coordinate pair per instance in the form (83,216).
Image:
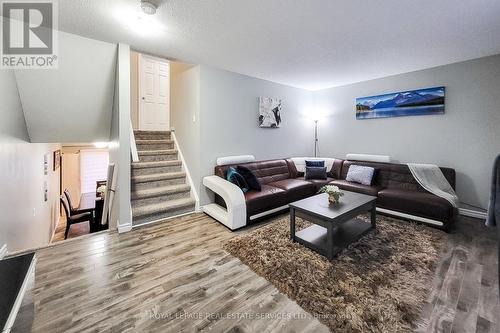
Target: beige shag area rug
(377,284)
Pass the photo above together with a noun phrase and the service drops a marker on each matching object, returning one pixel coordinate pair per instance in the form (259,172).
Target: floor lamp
(315,137)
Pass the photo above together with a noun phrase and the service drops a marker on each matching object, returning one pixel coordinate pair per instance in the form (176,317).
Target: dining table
(92,203)
(87,202)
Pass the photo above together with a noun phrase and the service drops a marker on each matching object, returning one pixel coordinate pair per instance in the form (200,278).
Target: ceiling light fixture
(137,21)
(148,7)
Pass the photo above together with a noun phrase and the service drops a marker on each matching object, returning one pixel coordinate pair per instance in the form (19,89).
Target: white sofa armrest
(235,216)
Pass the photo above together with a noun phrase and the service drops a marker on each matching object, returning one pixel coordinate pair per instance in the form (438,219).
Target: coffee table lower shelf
(315,236)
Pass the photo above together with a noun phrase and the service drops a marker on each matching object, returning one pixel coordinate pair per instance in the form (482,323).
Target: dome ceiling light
(148,7)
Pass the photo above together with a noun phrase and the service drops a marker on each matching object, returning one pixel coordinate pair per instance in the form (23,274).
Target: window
(93,168)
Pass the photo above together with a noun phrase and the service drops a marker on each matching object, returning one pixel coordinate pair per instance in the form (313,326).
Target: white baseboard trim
(473,213)
(20,296)
(3,251)
(124,228)
(410,217)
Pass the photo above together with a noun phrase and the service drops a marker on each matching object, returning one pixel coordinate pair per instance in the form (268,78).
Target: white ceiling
(310,44)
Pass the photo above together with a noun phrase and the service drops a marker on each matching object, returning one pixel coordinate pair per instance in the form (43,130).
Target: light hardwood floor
(465,296)
(169,277)
(76,230)
(175,277)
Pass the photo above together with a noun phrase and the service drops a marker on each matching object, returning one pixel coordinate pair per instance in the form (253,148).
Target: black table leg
(292,224)
(329,242)
(374,216)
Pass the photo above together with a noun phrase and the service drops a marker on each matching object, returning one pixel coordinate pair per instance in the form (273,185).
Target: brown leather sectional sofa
(397,190)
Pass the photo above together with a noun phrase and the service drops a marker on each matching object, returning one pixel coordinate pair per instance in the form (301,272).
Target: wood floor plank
(175,277)
(466,306)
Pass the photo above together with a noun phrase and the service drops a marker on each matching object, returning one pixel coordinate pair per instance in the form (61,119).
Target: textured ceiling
(311,44)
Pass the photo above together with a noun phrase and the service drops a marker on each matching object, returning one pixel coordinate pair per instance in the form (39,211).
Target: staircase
(158,184)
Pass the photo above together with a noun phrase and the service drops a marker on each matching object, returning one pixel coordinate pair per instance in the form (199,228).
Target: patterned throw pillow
(234,177)
(250,178)
(360,174)
(315,173)
(315,163)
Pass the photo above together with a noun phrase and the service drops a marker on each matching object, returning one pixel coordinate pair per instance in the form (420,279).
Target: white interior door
(154,94)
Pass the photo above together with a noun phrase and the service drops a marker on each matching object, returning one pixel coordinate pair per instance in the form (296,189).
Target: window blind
(93,167)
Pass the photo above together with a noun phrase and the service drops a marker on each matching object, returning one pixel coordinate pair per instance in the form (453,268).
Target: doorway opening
(84,174)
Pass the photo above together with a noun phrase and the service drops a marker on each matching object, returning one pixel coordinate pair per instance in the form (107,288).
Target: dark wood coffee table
(334,225)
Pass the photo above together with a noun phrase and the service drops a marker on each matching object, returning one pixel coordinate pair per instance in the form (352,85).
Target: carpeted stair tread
(163,208)
(160,191)
(145,135)
(159,187)
(157,152)
(158,176)
(156,164)
(151,141)
(139,132)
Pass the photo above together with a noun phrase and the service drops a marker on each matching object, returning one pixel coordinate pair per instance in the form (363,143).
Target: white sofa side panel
(235,216)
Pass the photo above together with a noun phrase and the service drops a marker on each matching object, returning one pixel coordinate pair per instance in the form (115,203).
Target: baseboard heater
(473,213)
(15,274)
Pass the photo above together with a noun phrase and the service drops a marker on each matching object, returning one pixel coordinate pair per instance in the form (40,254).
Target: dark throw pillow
(234,177)
(315,163)
(315,173)
(250,178)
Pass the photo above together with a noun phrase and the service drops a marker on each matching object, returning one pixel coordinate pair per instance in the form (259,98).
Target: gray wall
(229,120)
(12,124)
(185,114)
(134,89)
(466,137)
(27,221)
(73,102)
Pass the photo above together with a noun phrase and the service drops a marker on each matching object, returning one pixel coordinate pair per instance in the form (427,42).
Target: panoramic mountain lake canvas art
(407,103)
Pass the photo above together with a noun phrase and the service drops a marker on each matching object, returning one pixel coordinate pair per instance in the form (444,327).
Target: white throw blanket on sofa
(431,178)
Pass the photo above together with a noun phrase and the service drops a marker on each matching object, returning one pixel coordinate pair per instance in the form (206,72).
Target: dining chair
(74,218)
(73,209)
